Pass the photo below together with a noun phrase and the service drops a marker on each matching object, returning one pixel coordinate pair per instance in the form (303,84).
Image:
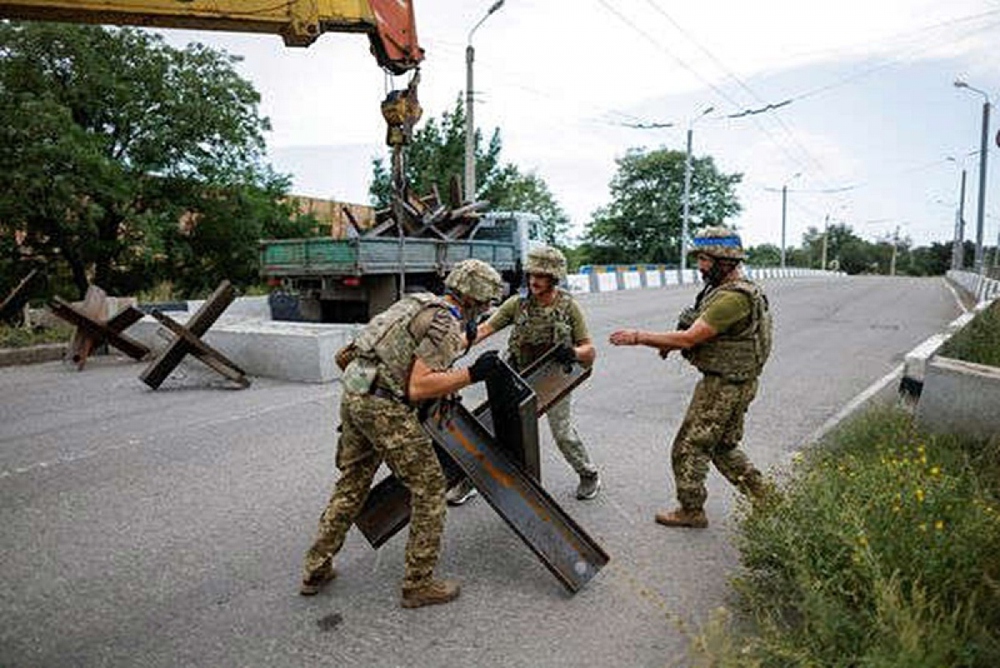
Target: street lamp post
(983,150)
(685,219)
(470,126)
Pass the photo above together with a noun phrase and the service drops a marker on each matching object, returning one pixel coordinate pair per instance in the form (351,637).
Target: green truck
(351,280)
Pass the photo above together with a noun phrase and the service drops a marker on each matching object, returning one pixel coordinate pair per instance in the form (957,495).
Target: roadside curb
(47,352)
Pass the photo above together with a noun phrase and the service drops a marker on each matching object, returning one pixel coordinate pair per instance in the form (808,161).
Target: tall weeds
(882,550)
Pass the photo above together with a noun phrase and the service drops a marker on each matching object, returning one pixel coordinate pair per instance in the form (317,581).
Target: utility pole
(826,234)
(686,217)
(983,151)
(784,209)
(958,249)
(470,126)
(895,244)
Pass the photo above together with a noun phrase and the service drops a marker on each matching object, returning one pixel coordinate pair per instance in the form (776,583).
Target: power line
(712,86)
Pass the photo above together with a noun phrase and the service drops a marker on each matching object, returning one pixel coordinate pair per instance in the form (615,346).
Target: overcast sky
(865,139)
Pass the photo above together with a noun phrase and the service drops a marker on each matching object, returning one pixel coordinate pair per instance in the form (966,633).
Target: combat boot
(313,582)
(462,491)
(432,593)
(763,494)
(690,519)
(589,485)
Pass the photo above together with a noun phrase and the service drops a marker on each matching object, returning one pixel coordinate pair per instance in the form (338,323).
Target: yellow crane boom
(389,24)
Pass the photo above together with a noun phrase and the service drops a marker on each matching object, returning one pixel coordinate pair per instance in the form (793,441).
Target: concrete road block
(294,351)
(960,397)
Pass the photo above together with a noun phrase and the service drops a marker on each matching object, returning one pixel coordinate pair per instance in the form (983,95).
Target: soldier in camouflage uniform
(400,359)
(726,336)
(548,316)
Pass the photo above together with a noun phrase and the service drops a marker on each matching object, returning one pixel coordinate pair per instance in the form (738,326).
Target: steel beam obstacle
(188,342)
(92,332)
(496,447)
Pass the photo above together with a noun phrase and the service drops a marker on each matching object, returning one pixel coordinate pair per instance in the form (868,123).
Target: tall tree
(109,136)
(437,155)
(764,255)
(644,219)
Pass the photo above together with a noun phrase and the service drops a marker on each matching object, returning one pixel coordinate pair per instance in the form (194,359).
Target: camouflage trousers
(711,432)
(560,417)
(374,430)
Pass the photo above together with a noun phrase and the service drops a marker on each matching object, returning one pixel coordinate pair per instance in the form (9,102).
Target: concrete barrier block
(293,351)
(960,397)
(578,282)
(607,282)
(631,280)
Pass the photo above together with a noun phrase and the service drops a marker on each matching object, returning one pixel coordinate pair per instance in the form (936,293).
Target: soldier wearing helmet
(727,336)
(546,317)
(401,358)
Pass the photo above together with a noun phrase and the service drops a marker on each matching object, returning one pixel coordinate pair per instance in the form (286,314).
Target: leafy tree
(109,136)
(513,191)
(764,255)
(644,219)
(437,155)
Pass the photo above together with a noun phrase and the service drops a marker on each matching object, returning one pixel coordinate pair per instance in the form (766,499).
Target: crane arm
(389,24)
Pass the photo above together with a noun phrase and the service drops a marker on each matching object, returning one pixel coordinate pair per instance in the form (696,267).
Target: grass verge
(883,550)
(23,337)
(979,340)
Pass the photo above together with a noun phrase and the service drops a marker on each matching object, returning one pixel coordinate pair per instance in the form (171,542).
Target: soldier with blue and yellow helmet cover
(726,335)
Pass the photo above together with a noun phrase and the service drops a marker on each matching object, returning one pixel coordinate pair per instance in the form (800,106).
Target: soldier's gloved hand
(564,354)
(485,366)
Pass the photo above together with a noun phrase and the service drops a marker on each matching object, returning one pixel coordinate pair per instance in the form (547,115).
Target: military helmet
(476,280)
(548,261)
(720,242)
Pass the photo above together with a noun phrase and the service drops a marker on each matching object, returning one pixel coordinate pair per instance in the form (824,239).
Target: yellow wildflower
(939,525)
(920,495)
(935,470)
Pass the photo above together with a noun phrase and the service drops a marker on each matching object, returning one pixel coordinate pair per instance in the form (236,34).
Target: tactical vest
(537,328)
(735,355)
(387,344)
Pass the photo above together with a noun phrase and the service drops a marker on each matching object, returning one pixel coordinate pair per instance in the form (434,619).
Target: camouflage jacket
(422,325)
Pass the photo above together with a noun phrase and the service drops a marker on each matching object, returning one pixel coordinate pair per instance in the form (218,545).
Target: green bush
(883,549)
(22,337)
(979,341)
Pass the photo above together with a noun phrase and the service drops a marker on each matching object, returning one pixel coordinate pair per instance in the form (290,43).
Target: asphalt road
(166,528)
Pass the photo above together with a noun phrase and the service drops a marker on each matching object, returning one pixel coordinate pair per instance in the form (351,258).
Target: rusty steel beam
(387,509)
(555,538)
(507,473)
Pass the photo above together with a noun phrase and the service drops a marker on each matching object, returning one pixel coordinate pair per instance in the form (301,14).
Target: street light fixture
(687,192)
(470,126)
(983,150)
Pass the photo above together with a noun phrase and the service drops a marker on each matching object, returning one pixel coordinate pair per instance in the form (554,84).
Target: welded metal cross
(92,332)
(188,341)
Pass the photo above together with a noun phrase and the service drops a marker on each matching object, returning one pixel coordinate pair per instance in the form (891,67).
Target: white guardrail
(982,288)
(612,277)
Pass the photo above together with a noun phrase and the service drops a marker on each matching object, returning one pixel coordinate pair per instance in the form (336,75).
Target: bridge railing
(612,277)
(984,289)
